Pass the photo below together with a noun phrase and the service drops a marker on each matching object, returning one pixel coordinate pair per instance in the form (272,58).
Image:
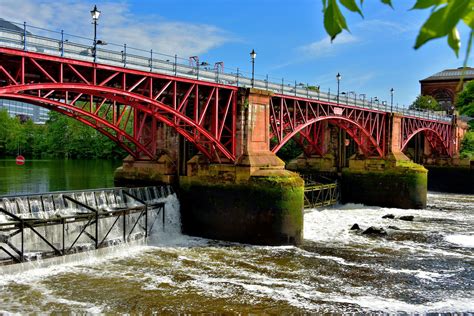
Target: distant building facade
(23,110)
(444,85)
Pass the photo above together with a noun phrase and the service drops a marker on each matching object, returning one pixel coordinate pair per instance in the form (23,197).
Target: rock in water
(390,216)
(394,227)
(375,231)
(355,227)
(408,218)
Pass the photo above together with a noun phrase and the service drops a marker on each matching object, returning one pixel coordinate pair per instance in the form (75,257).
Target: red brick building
(444,85)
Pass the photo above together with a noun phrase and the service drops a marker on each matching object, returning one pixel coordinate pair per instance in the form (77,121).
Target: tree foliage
(465,106)
(465,101)
(442,22)
(289,151)
(425,102)
(60,137)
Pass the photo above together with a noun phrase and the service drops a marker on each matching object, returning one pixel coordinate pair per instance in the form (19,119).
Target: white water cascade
(35,226)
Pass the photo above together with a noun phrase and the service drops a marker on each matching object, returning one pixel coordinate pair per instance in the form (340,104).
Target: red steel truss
(124,104)
(290,116)
(439,134)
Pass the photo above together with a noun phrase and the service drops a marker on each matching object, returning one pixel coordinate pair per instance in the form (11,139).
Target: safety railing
(77,47)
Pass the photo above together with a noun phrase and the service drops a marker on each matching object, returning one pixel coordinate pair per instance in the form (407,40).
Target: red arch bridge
(127,97)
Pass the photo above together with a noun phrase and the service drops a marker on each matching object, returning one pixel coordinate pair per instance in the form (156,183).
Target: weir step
(317,194)
(52,224)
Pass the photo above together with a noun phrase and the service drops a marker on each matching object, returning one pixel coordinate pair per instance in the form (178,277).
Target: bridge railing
(71,46)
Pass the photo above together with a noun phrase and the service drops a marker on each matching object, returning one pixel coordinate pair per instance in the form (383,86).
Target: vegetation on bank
(60,137)
(465,106)
(425,102)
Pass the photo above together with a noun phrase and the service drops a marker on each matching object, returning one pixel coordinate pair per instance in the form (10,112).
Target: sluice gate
(60,223)
(317,194)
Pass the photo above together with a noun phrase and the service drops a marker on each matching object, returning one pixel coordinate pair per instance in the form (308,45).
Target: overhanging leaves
(352,6)
(334,21)
(424,4)
(441,23)
(454,40)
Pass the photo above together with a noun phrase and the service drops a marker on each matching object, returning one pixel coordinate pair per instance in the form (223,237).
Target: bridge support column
(452,174)
(254,200)
(394,181)
(162,170)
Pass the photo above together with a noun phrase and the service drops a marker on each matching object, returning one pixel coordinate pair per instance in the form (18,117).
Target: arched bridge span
(291,116)
(439,134)
(128,106)
(124,104)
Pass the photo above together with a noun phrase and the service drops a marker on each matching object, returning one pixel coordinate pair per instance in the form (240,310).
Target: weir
(44,225)
(318,194)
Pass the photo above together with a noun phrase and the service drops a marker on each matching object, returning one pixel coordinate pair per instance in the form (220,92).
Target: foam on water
(336,270)
(461,240)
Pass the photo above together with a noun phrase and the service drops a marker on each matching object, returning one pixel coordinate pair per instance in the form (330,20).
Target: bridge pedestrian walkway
(39,40)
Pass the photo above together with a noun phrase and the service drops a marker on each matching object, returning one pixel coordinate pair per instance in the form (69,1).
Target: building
(37,114)
(444,85)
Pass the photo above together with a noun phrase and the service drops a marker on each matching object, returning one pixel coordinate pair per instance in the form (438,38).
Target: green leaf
(454,40)
(352,6)
(456,9)
(388,2)
(334,21)
(469,19)
(433,27)
(424,4)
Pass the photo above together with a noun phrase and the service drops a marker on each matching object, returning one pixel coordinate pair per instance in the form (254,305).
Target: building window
(444,97)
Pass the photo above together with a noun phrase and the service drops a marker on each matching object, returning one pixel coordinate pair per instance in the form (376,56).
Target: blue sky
(288,37)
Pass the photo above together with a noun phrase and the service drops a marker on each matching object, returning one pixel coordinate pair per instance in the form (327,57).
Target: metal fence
(55,43)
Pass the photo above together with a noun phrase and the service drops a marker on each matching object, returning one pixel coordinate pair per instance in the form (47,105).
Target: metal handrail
(169,65)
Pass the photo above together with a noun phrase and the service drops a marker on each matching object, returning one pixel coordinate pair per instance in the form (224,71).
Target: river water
(426,265)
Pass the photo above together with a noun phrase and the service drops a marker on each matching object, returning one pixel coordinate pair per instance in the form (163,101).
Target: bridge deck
(65,46)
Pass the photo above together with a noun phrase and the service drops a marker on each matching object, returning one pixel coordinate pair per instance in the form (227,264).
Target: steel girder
(439,134)
(290,116)
(124,104)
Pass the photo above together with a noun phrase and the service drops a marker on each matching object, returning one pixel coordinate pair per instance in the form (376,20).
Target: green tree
(289,151)
(465,106)
(425,102)
(465,100)
(442,22)
(4,130)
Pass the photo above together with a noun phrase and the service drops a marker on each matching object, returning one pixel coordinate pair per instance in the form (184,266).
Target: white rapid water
(418,268)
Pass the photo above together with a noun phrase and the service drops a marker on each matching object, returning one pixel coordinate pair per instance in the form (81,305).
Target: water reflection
(38,176)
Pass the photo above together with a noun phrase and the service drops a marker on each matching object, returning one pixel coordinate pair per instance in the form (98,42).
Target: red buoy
(20,160)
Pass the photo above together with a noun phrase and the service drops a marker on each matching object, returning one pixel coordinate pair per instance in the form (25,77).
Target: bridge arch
(356,131)
(435,139)
(46,95)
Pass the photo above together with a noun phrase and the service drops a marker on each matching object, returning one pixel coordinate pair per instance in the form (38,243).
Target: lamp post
(362,97)
(95,17)
(391,100)
(253,54)
(338,77)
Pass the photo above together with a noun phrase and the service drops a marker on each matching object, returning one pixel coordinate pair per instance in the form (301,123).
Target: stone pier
(254,200)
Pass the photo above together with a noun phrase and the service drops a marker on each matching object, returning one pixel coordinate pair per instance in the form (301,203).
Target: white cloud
(325,47)
(384,26)
(118,25)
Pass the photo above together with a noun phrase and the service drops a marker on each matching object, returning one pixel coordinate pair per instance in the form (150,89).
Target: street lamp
(95,17)
(391,100)
(338,77)
(253,54)
(362,97)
